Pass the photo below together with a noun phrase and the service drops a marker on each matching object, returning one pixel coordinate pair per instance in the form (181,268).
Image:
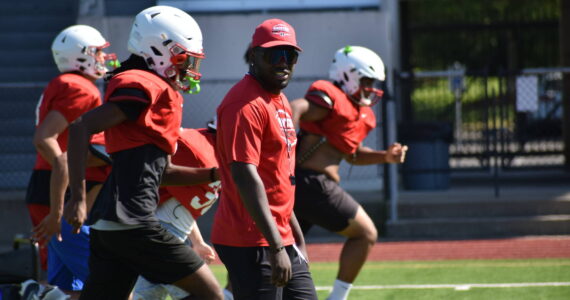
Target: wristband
(213,174)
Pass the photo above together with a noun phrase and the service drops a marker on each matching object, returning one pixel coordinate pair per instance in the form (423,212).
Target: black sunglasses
(274,56)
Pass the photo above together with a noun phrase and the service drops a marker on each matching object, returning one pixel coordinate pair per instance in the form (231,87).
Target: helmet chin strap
(194,85)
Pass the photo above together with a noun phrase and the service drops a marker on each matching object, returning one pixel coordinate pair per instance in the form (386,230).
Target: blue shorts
(68,260)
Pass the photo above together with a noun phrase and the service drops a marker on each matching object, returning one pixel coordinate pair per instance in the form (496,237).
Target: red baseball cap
(272,33)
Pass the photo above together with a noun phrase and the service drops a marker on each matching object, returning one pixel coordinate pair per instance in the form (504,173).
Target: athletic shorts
(118,257)
(147,290)
(37,213)
(68,259)
(38,204)
(250,274)
(321,201)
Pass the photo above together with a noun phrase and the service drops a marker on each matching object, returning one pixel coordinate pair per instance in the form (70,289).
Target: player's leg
(323,202)
(68,260)
(201,284)
(301,285)
(249,271)
(110,275)
(162,258)
(362,235)
(37,201)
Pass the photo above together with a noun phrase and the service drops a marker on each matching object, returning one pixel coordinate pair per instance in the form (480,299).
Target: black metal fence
(509,121)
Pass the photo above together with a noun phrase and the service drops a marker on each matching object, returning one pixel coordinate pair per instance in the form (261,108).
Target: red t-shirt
(71,95)
(254,127)
(158,124)
(347,124)
(195,149)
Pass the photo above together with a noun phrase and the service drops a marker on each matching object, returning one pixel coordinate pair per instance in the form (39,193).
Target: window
(263,5)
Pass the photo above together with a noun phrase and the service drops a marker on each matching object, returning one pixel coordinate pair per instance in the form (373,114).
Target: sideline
(457,287)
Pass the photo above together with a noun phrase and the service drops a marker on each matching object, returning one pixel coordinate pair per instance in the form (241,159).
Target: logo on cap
(281,30)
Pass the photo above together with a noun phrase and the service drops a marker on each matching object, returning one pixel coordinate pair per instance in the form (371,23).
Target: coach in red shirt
(255,230)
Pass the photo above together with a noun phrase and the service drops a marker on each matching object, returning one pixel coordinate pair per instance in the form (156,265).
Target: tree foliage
(482,34)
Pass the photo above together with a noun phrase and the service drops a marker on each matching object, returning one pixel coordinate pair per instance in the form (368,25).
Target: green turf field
(466,279)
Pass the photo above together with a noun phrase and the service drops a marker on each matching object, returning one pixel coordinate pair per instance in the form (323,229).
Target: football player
(141,118)
(335,117)
(78,52)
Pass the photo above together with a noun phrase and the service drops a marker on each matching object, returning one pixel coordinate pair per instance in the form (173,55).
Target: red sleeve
(243,133)
(74,101)
(130,86)
(98,138)
(319,98)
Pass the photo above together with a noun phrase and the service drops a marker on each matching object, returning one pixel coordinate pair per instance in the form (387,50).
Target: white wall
(227,35)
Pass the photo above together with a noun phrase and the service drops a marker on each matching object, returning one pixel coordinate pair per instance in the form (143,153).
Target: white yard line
(457,287)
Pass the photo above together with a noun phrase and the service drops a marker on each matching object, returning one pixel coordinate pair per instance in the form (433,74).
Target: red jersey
(195,149)
(97,174)
(158,124)
(254,127)
(71,95)
(347,124)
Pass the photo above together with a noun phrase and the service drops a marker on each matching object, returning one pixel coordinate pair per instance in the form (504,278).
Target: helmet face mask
(359,72)
(100,58)
(185,69)
(80,48)
(369,92)
(170,40)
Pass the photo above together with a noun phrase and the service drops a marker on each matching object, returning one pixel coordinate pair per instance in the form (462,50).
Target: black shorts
(321,201)
(250,274)
(38,190)
(118,257)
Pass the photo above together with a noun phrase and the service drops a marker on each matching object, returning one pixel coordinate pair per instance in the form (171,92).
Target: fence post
(390,170)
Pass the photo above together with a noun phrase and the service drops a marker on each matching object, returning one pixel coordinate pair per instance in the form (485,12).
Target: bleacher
(27,29)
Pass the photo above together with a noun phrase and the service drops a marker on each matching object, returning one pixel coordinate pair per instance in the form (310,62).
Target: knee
(370,233)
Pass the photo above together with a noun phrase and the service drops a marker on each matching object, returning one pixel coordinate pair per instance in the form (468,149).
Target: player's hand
(205,252)
(396,153)
(75,213)
(281,271)
(48,227)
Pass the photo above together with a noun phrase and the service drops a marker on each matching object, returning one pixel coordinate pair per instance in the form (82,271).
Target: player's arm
(252,193)
(51,224)
(80,131)
(45,135)
(299,237)
(200,246)
(305,110)
(182,175)
(396,153)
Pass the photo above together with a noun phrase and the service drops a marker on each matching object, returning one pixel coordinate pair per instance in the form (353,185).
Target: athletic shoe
(53,293)
(29,290)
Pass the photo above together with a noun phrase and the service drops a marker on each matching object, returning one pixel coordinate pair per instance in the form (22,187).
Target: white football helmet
(170,40)
(76,49)
(352,63)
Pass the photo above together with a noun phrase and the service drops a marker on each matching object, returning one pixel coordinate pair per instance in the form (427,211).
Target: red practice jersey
(158,124)
(195,149)
(71,95)
(254,127)
(347,124)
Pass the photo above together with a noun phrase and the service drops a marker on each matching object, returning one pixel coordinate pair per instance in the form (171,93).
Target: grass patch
(448,272)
